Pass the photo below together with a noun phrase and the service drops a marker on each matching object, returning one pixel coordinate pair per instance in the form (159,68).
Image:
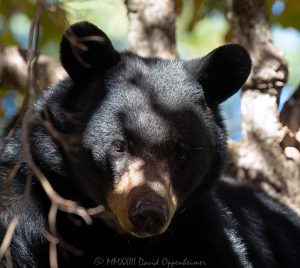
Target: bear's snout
(148,217)
(143,199)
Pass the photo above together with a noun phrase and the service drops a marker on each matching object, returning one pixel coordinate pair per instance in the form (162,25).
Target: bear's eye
(181,153)
(119,146)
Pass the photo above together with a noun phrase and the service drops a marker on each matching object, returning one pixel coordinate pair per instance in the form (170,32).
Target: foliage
(285,13)
(16,17)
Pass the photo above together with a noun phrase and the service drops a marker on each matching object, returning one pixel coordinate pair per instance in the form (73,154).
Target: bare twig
(77,45)
(58,202)
(52,227)
(8,259)
(10,230)
(10,175)
(54,20)
(63,204)
(8,237)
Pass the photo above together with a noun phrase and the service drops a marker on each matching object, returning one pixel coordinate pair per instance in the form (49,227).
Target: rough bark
(14,71)
(258,159)
(152,28)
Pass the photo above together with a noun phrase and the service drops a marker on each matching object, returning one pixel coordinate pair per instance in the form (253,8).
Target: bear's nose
(147,217)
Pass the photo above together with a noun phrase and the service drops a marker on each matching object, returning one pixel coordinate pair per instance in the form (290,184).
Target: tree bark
(152,28)
(14,71)
(258,159)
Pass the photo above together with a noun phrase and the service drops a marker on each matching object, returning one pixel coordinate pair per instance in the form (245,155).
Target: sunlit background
(201,26)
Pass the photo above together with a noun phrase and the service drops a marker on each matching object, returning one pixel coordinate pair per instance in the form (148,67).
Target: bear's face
(154,134)
(152,129)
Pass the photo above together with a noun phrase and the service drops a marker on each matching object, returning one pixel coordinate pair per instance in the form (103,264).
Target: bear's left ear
(86,50)
(222,72)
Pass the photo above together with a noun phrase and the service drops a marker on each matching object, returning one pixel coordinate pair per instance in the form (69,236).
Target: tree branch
(14,70)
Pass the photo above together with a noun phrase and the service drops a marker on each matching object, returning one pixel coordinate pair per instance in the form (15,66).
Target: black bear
(144,138)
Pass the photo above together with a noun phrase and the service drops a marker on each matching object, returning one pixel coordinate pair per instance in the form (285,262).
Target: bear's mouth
(148,218)
(140,213)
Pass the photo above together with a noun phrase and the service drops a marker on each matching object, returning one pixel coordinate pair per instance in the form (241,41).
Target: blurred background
(201,26)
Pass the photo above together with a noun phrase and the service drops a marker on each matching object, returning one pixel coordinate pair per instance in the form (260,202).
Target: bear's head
(148,133)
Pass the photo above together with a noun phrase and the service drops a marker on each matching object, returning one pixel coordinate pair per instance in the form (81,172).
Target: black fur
(164,107)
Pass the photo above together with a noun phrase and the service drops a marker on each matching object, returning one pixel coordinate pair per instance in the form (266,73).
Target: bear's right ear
(86,50)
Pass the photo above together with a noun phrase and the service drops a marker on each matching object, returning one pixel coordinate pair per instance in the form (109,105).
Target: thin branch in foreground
(52,228)
(77,45)
(58,202)
(52,18)
(8,237)
(12,226)
(8,259)
(62,203)
(9,177)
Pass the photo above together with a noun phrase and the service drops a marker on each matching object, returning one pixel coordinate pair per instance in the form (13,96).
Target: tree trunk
(258,159)
(152,28)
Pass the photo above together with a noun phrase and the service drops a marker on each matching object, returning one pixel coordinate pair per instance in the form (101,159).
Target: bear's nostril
(148,218)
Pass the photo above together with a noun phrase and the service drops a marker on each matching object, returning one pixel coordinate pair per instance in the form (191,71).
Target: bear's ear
(86,50)
(222,72)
